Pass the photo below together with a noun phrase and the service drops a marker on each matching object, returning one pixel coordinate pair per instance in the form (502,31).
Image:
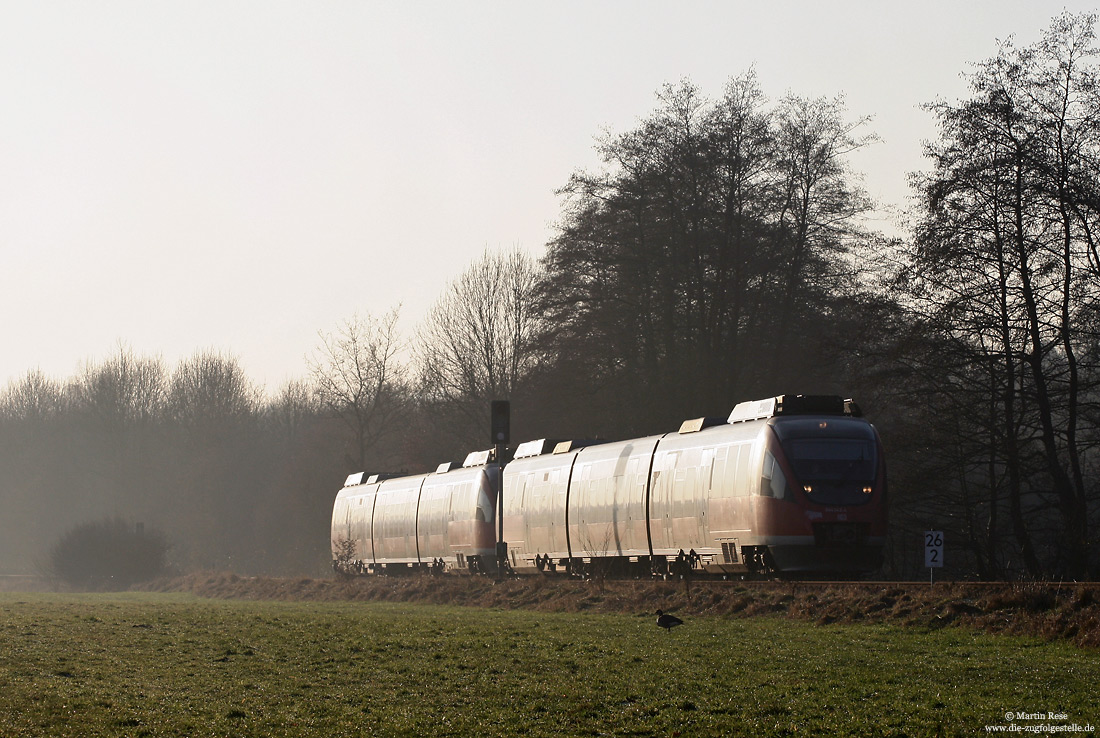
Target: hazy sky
(178,176)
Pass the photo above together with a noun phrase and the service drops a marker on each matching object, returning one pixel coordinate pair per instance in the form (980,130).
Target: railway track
(703,581)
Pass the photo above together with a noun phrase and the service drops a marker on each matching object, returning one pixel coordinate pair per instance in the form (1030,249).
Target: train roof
(794,405)
(743,412)
(354,480)
(541,446)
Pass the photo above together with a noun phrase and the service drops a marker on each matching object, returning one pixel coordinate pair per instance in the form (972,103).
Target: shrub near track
(165,665)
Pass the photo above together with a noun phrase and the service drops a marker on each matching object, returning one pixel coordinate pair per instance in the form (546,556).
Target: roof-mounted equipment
(698,424)
(535,448)
(566,446)
(376,478)
(794,405)
(480,458)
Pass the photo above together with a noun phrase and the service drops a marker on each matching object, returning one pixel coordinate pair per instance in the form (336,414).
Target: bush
(108,554)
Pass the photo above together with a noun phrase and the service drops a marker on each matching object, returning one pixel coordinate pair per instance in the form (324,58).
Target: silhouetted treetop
(689,270)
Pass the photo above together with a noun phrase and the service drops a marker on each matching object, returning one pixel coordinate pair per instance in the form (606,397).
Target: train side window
(773,482)
(719,477)
(741,476)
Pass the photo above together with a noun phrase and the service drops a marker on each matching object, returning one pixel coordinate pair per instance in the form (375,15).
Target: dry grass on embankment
(1045,610)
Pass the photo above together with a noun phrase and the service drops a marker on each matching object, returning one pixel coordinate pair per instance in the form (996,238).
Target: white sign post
(933,551)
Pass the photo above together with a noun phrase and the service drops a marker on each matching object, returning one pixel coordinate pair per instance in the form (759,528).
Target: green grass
(165,665)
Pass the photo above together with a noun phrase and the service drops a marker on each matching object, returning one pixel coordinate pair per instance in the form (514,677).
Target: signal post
(500,416)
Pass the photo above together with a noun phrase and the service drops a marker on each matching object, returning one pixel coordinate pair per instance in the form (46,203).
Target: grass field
(168,665)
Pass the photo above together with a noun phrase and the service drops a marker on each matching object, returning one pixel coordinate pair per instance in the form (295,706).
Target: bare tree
(819,202)
(211,388)
(478,342)
(35,461)
(123,389)
(34,397)
(215,472)
(118,407)
(358,378)
(1004,268)
(295,404)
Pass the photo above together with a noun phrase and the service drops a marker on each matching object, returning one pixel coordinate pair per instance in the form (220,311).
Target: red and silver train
(788,484)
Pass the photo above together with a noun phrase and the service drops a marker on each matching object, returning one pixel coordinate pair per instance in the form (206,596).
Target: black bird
(668,622)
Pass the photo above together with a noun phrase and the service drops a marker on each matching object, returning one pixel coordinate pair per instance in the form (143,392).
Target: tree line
(719,253)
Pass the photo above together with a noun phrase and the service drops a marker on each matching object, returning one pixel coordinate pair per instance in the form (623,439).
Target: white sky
(236,175)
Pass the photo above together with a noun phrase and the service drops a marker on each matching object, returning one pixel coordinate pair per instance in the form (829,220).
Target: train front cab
(788,484)
(821,500)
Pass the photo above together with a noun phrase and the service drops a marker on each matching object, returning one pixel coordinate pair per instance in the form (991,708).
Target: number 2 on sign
(933,548)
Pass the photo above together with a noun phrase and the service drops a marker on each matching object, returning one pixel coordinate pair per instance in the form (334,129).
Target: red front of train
(822,501)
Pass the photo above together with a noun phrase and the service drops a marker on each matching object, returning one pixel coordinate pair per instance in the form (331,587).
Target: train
(788,485)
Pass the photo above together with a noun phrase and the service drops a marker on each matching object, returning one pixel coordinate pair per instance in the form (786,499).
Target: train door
(527,498)
(661,503)
(557,499)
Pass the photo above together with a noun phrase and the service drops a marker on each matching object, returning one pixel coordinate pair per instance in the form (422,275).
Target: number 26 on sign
(933,550)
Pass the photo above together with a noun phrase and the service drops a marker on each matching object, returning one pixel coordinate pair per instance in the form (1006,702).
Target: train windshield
(833,471)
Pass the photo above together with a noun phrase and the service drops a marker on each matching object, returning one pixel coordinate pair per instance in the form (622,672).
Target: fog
(194,199)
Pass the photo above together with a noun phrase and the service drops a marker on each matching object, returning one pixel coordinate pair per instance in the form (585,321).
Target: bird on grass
(668,622)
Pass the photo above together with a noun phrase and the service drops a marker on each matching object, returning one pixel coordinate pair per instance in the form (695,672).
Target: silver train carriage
(792,483)
(444,519)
